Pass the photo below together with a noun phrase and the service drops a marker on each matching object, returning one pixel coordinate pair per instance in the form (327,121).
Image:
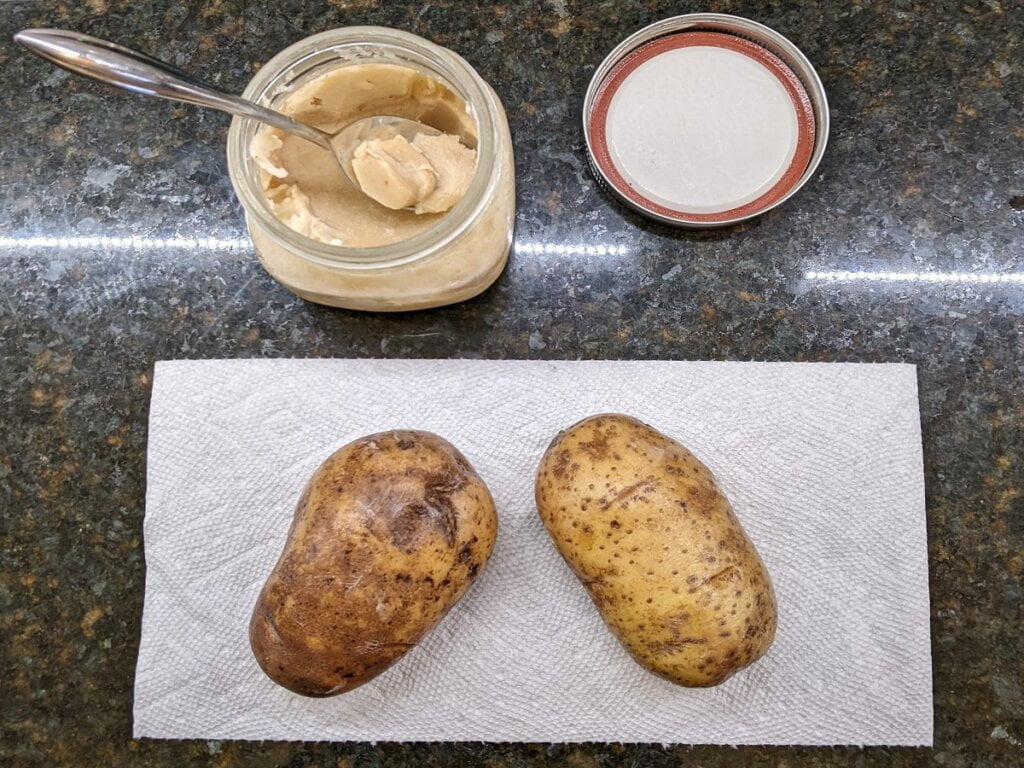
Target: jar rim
(439,62)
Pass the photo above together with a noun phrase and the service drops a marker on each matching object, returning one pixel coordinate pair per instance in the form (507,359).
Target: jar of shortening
(452,256)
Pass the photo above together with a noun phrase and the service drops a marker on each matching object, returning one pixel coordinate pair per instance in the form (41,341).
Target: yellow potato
(642,524)
(389,533)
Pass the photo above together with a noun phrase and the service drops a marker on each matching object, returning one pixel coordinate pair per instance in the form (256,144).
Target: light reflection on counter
(916,277)
(580,249)
(140,243)
(241,244)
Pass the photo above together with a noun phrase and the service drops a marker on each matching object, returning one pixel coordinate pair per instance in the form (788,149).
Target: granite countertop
(121,243)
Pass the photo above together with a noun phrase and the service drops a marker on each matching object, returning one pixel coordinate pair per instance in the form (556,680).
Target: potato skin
(389,533)
(643,525)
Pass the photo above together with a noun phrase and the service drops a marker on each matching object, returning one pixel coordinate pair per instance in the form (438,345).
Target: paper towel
(822,463)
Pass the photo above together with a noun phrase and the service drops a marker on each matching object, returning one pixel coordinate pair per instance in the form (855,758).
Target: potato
(642,524)
(389,533)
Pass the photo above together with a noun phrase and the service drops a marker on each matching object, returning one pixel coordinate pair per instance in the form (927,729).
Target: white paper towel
(822,463)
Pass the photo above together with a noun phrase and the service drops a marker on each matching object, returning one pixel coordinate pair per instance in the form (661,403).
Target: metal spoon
(139,73)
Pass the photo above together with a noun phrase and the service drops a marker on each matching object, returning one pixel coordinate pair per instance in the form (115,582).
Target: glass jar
(457,258)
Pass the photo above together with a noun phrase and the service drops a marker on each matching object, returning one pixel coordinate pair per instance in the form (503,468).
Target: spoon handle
(139,73)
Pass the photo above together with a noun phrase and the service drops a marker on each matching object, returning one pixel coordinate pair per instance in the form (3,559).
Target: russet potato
(641,522)
(389,533)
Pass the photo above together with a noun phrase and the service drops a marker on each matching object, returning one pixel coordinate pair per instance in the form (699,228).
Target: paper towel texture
(822,463)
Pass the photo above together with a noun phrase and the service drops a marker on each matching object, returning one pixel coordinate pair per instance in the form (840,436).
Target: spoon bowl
(345,142)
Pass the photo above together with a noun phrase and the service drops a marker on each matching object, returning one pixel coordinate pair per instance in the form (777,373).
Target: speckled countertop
(106,265)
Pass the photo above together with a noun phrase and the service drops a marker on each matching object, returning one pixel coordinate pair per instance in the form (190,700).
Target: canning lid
(705,120)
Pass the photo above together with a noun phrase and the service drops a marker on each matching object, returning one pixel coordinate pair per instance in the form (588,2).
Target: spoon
(139,73)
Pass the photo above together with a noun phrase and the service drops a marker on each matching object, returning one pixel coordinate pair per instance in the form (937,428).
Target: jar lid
(705,120)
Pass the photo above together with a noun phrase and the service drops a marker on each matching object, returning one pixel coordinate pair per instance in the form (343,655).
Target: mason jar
(459,256)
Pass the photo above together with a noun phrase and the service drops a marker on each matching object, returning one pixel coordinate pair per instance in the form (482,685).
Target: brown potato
(642,524)
(389,533)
